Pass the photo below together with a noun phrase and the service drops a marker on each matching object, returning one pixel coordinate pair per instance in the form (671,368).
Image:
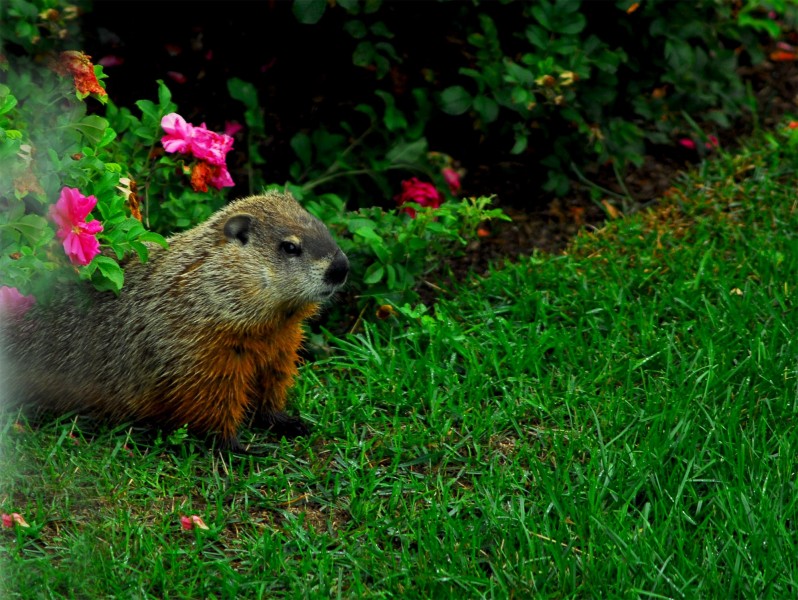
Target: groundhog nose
(338,270)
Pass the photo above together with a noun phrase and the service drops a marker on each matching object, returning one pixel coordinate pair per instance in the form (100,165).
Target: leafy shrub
(124,178)
(573,85)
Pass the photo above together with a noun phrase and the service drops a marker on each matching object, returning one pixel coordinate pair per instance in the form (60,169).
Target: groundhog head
(275,258)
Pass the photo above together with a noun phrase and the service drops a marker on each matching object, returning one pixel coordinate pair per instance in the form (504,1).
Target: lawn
(617,421)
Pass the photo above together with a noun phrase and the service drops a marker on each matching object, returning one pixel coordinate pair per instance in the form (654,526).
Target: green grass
(617,422)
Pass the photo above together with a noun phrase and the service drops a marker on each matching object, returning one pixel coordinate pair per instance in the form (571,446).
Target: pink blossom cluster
(78,235)
(209,147)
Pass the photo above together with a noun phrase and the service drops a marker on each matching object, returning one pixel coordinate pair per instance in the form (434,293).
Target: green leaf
(108,136)
(487,108)
(455,100)
(768,25)
(573,25)
(391,272)
(309,11)
(355,28)
(364,55)
(350,6)
(30,226)
(243,91)
(110,271)
(246,93)
(368,234)
(519,73)
(165,98)
(149,110)
(356,224)
(381,252)
(541,14)
(381,29)
(372,6)
(520,145)
(537,36)
(156,238)
(394,119)
(92,127)
(373,274)
(141,250)
(7,101)
(410,152)
(301,145)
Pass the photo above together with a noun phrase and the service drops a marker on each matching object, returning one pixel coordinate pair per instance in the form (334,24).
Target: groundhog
(206,333)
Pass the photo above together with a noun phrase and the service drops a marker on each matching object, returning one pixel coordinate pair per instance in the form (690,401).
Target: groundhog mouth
(326,294)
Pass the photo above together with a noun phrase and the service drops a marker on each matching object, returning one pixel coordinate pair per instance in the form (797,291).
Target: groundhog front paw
(284,425)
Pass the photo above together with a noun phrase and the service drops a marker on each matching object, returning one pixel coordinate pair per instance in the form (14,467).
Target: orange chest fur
(231,372)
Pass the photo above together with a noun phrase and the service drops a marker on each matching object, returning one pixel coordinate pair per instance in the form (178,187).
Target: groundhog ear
(237,228)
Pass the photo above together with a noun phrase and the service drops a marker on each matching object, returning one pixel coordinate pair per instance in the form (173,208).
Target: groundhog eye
(290,248)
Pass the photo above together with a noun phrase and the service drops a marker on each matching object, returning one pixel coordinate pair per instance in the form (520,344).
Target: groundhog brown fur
(206,333)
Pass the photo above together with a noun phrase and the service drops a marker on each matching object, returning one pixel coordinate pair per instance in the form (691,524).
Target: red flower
(79,66)
(420,192)
(78,236)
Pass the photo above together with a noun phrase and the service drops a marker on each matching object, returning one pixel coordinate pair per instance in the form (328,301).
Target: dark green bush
(566,84)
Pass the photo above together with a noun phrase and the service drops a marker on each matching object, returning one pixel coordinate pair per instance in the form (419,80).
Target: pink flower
(13,303)
(221,178)
(210,146)
(9,520)
(203,174)
(453,179)
(189,523)
(77,235)
(178,133)
(111,60)
(176,76)
(232,127)
(712,142)
(419,192)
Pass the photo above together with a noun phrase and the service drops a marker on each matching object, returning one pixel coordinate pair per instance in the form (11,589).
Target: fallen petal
(191,522)
(19,520)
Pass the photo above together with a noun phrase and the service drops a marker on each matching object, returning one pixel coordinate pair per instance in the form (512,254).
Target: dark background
(306,80)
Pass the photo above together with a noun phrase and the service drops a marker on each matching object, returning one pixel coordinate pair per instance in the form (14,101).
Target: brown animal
(204,334)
